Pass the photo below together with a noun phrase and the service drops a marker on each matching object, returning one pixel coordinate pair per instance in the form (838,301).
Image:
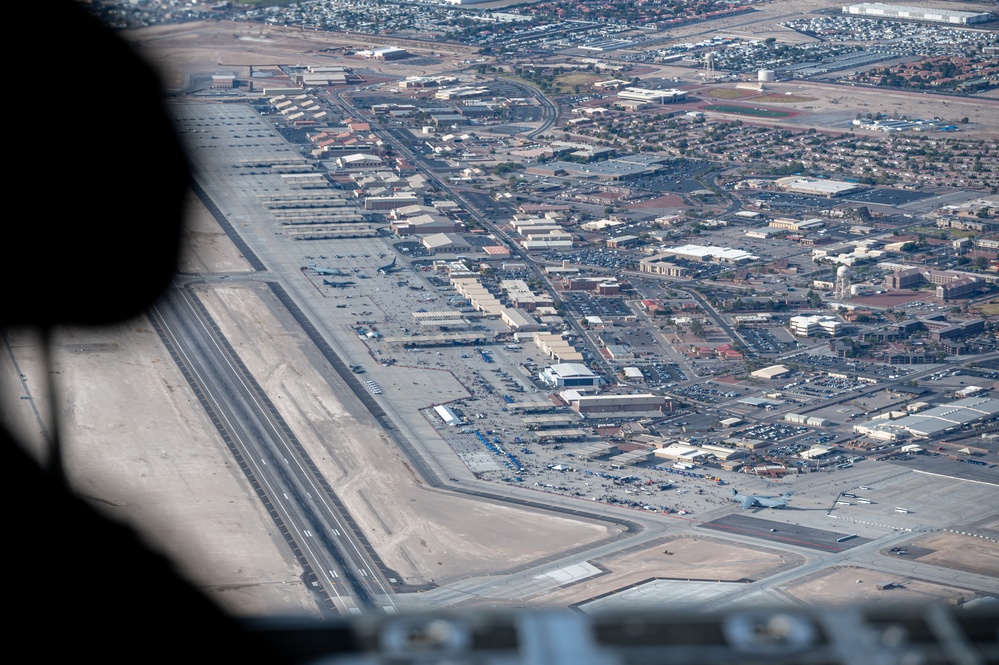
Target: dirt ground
(178,51)
(140,448)
(849,585)
(205,248)
(955,550)
(689,559)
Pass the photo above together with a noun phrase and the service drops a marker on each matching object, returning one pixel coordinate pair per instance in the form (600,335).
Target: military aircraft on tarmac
(750,501)
(337,285)
(327,271)
(390,268)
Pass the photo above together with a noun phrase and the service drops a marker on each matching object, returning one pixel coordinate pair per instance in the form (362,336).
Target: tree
(697,329)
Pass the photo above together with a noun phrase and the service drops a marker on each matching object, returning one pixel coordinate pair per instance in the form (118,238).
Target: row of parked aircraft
(386,269)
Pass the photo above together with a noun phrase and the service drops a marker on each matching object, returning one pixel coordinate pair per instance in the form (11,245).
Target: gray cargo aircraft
(390,268)
(327,271)
(750,501)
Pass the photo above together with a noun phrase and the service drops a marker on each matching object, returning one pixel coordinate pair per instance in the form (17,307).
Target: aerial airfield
(408,443)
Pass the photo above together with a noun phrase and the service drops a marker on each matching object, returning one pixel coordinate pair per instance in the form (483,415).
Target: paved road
(295,494)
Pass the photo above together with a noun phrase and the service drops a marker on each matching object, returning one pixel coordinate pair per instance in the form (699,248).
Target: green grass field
(990,309)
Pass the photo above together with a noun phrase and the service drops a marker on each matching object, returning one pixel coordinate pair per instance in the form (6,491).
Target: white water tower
(842,283)
(766,76)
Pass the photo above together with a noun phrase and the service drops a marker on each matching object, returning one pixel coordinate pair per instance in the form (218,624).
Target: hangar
(772,372)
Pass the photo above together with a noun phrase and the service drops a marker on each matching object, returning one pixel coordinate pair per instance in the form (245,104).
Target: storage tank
(767,76)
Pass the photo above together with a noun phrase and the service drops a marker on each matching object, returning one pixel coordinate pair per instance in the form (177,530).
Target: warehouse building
(932,422)
(706,253)
(816,187)
(449,417)
(567,375)
(618,403)
(932,14)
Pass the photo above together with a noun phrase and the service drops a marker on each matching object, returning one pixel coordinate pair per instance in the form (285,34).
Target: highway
(301,503)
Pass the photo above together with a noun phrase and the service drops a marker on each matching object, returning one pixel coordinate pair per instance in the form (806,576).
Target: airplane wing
(747,502)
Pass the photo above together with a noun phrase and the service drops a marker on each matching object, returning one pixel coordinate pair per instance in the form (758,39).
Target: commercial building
(932,422)
(390,202)
(706,253)
(568,375)
(658,265)
(932,14)
(816,187)
(556,347)
(958,330)
(809,326)
(652,96)
(421,224)
(949,284)
(618,403)
(811,421)
(385,53)
(796,224)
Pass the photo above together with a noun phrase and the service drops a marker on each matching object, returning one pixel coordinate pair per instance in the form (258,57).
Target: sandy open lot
(178,51)
(701,558)
(205,248)
(140,448)
(844,585)
(967,553)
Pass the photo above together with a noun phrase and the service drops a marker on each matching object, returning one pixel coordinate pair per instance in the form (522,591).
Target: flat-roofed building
(445,413)
(565,375)
(809,326)
(619,403)
(797,224)
(710,253)
(933,422)
(652,96)
(816,187)
(930,14)
(421,224)
(958,330)
(660,265)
